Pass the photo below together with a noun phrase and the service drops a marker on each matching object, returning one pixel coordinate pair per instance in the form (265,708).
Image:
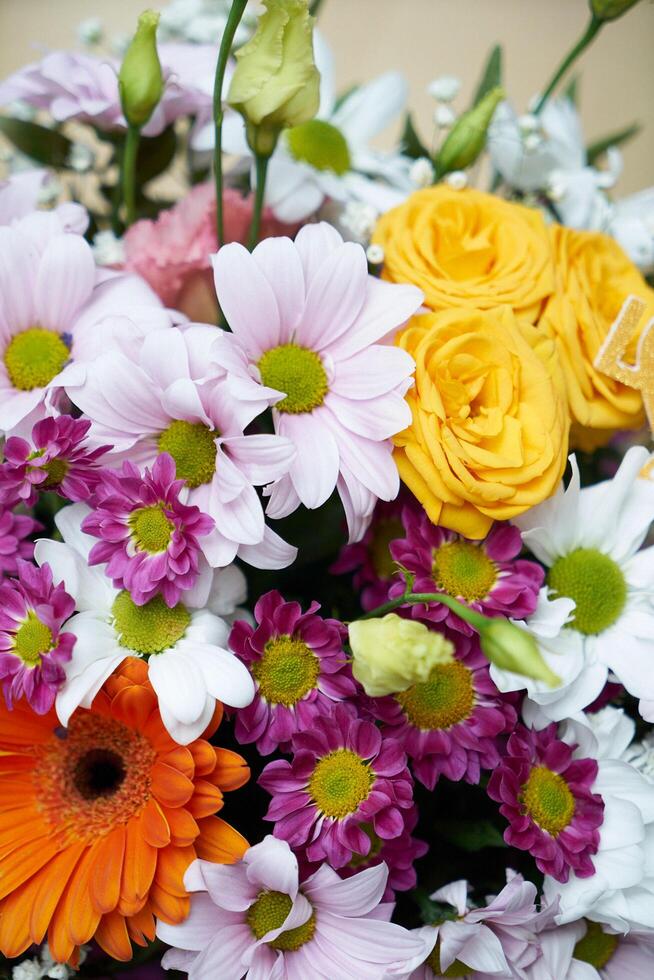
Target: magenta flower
(15,530)
(299,670)
(149,539)
(55,458)
(449,724)
(343,780)
(487,574)
(547,797)
(32,646)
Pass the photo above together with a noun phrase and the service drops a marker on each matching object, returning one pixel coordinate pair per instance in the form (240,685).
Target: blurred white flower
(421,173)
(445,88)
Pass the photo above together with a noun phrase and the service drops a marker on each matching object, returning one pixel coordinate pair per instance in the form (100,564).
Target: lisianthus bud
(390,654)
(276,84)
(467,138)
(610,9)
(140,79)
(511,648)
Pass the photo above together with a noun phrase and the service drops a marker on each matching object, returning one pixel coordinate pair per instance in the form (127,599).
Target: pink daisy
(32,647)
(487,575)
(149,539)
(449,725)
(15,530)
(254,919)
(547,797)
(310,325)
(342,776)
(179,397)
(299,669)
(56,457)
(586,950)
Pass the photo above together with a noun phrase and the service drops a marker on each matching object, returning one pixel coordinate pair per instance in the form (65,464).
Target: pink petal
(280,263)
(247,299)
(335,296)
(315,469)
(386,308)
(314,243)
(371,372)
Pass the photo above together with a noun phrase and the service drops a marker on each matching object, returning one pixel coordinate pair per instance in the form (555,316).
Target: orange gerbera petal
(96,823)
(230,771)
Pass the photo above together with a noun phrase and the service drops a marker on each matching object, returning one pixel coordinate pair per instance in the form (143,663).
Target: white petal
(335,296)
(271,552)
(314,470)
(64,282)
(178,683)
(224,676)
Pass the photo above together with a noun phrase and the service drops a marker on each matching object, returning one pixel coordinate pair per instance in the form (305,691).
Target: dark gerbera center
(151,528)
(99,772)
(34,357)
(269,912)
(444,700)
(596,946)
(287,671)
(380,557)
(340,782)
(321,145)
(151,628)
(463,570)
(596,584)
(33,638)
(548,800)
(193,447)
(299,373)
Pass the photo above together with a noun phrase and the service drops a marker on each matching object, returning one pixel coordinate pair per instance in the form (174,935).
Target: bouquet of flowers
(326,601)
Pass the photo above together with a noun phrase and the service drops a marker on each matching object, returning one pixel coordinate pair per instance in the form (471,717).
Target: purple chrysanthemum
(149,539)
(55,458)
(547,797)
(15,530)
(487,574)
(343,779)
(299,669)
(449,725)
(32,646)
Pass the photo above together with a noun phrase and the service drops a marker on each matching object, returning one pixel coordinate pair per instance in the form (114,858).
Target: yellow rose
(390,654)
(468,249)
(489,435)
(594,277)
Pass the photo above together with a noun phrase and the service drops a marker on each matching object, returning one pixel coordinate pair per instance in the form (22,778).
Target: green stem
(233,20)
(589,34)
(130,153)
(261,166)
(475,619)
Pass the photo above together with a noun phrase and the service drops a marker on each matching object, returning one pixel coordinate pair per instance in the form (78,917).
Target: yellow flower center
(193,447)
(321,145)
(269,911)
(340,782)
(33,638)
(548,800)
(455,969)
(445,699)
(463,570)
(596,584)
(299,373)
(151,529)
(150,628)
(287,671)
(34,357)
(380,557)
(596,946)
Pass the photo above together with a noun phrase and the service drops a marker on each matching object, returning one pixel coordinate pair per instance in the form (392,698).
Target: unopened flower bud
(140,79)
(390,654)
(610,9)
(510,647)
(467,138)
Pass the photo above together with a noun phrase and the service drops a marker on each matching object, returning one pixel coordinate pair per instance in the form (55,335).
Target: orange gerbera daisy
(99,821)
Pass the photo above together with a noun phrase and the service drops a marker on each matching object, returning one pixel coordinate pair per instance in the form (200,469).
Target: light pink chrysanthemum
(311,325)
(19,198)
(15,530)
(255,919)
(586,950)
(177,397)
(33,648)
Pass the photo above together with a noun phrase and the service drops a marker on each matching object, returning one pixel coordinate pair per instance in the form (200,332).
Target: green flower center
(287,671)
(56,470)
(270,911)
(151,529)
(193,447)
(340,782)
(596,584)
(33,638)
(34,357)
(548,800)
(596,946)
(151,628)
(321,145)
(455,969)
(445,699)
(463,570)
(380,557)
(299,373)
(376,844)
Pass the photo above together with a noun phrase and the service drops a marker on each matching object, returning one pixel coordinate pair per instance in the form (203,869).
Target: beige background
(425,38)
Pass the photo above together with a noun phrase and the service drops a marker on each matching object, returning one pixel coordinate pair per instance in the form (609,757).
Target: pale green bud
(276,84)
(511,648)
(467,138)
(610,9)
(140,79)
(390,654)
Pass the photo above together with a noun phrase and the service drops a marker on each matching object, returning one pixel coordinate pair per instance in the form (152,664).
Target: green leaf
(492,75)
(410,143)
(155,154)
(571,91)
(470,835)
(46,146)
(596,149)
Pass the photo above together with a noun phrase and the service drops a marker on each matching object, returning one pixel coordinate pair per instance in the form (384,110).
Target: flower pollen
(596,584)
(150,628)
(596,946)
(321,145)
(287,670)
(299,373)
(193,447)
(548,800)
(463,569)
(340,782)
(33,639)
(444,700)
(151,528)
(34,357)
